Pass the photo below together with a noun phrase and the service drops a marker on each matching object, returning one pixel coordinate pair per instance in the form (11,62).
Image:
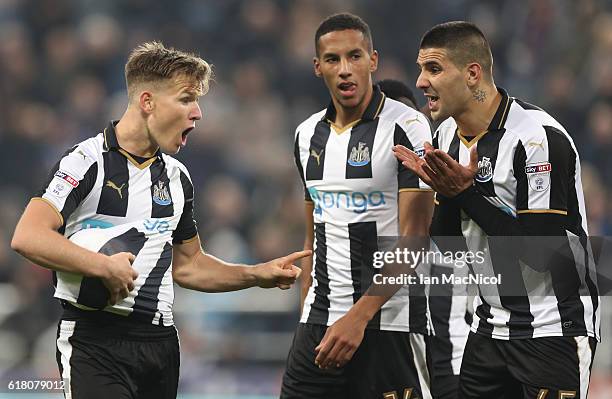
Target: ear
(474,74)
(145,101)
(374,61)
(316,64)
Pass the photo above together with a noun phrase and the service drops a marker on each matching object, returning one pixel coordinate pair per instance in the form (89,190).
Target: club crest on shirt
(360,155)
(161,195)
(485,170)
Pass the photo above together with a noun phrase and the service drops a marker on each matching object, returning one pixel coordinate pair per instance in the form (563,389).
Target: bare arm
(307,262)
(344,337)
(196,270)
(36,238)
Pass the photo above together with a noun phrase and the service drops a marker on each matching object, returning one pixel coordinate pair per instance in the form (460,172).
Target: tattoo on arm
(480,95)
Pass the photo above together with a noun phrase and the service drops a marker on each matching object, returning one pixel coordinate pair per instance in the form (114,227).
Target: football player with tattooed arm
(507,177)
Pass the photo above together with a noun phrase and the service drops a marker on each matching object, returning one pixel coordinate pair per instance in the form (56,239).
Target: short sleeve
(545,171)
(411,131)
(298,164)
(70,181)
(187,227)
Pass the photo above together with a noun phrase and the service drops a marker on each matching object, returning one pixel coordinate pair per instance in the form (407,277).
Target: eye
(356,56)
(331,60)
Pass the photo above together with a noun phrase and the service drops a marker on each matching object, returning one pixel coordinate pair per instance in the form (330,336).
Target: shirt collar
(501,115)
(371,112)
(110,136)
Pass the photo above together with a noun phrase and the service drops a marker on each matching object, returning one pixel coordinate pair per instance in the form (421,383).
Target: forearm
(207,273)
(539,240)
(52,250)
(490,218)
(306,279)
(415,213)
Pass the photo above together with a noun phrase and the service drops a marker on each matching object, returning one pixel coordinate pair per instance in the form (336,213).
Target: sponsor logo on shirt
(355,201)
(65,176)
(538,175)
(161,226)
(538,168)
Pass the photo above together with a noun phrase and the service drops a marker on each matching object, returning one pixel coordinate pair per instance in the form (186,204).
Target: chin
(438,115)
(171,150)
(349,102)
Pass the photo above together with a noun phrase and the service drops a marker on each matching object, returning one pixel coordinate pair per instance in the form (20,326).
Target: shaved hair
(344,21)
(464,42)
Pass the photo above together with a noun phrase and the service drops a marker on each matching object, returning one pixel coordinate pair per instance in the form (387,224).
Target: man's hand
(119,277)
(438,170)
(340,342)
(280,272)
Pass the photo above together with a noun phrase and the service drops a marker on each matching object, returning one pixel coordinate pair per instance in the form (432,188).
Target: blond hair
(152,62)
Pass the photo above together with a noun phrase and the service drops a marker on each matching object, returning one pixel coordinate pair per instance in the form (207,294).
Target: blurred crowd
(61,80)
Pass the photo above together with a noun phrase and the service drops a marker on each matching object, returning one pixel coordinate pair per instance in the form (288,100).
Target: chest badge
(360,155)
(485,170)
(161,195)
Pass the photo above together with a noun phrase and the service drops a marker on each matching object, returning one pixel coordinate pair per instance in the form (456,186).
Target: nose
(345,68)
(422,82)
(196,113)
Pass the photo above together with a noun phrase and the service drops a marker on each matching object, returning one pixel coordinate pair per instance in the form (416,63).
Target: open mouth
(185,134)
(432,101)
(347,88)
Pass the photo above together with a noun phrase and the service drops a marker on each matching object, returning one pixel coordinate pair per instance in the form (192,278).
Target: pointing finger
(295,256)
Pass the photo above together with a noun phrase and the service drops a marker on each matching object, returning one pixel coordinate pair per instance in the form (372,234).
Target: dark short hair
(464,42)
(344,21)
(396,90)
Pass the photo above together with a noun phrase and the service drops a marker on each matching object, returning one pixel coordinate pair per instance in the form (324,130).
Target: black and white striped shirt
(353,179)
(110,201)
(528,168)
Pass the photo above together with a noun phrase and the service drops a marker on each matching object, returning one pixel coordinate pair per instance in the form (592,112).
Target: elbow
(19,242)
(178,278)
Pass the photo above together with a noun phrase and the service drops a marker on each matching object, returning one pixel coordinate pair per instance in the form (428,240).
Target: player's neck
(346,116)
(133,136)
(478,115)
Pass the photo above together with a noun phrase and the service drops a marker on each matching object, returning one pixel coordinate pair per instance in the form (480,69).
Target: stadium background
(61,80)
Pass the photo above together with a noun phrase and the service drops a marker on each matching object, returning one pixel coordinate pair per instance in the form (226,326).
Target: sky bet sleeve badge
(538,175)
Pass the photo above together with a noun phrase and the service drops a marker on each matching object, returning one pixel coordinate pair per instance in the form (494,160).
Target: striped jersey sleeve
(412,131)
(70,180)
(186,228)
(298,164)
(544,168)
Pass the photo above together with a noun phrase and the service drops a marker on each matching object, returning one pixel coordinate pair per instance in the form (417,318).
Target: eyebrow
(428,63)
(353,51)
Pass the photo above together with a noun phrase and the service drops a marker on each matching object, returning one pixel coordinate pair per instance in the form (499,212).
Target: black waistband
(99,322)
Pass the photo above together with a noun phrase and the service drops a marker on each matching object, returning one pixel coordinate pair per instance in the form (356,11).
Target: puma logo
(415,119)
(314,154)
(534,144)
(112,185)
